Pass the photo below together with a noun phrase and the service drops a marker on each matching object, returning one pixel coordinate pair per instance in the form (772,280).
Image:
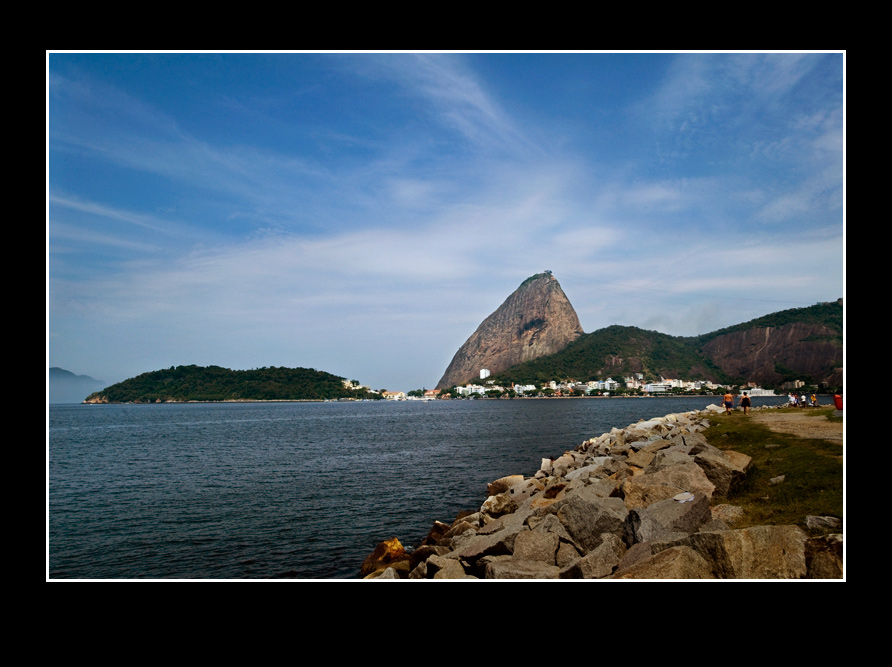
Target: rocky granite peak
(535,321)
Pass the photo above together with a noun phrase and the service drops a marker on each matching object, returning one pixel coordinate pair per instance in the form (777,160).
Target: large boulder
(598,563)
(587,517)
(724,471)
(759,552)
(513,568)
(670,519)
(679,562)
(643,490)
(537,545)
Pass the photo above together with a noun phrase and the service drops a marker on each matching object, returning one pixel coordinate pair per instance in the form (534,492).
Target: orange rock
(386,554)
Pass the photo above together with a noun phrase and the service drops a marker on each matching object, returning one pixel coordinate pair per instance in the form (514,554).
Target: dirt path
(802,424)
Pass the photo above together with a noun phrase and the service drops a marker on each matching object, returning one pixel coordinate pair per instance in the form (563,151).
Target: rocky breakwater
(643,502)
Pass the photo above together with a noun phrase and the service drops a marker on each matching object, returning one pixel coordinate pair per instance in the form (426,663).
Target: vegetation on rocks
(791,477)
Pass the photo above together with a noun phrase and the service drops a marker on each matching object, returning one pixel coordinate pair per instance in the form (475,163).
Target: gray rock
(536,545)
(549,523)
(635,554)
(666,519)
(452,570)
(566,554)
(588,469)
(640,459)
(605,488)
(760,552)
(598,563)
(460,527)
(720,469)
(684,477)
(499,543)
(420,571)
(563,464)
(679,562)
(389,573)
(665,458)
(522,490)
(512,568)
(587,517)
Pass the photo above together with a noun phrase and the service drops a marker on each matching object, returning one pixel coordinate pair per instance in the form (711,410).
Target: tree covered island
(213,383)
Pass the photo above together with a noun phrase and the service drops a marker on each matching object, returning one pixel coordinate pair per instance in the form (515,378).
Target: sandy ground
(802,424)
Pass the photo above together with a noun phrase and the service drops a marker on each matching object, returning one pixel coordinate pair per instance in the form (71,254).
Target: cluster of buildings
(599,387)
(596,387)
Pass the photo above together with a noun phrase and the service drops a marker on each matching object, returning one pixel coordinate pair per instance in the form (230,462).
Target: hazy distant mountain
(66,387)
(536,320)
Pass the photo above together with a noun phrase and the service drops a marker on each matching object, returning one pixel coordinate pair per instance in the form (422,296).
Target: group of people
(801,401)
(743,401)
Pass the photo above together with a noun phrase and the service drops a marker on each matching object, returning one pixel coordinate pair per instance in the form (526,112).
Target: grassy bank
(812,470)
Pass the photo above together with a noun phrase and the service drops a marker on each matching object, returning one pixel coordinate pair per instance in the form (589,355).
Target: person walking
(728,400)
(745,402)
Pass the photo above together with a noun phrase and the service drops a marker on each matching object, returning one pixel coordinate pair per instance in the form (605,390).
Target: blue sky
(362,213)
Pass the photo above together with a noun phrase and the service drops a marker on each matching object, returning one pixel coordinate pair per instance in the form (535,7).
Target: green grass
(812,469)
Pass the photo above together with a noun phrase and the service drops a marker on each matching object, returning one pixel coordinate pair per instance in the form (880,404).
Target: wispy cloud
(451,93)
(363,213)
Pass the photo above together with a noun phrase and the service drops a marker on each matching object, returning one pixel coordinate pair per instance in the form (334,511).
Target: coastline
(642,502)
(373,400)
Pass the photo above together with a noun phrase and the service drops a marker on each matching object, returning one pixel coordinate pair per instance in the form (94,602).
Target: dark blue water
(275,490)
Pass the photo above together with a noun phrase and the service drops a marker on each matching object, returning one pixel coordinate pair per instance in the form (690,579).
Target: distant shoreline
(406,400)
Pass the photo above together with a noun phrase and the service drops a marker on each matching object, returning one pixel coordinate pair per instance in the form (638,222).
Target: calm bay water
(274,490)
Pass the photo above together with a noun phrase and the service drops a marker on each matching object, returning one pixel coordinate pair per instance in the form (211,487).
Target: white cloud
(390,253)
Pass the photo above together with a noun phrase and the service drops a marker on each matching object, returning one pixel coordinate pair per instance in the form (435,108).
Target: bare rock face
(755,354)
(535,321)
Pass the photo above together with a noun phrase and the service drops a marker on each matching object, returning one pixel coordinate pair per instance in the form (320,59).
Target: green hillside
(213,383)
(616,351)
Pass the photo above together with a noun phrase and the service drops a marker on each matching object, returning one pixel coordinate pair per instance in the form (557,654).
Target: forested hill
(616,351)
(213,383)
(796,344)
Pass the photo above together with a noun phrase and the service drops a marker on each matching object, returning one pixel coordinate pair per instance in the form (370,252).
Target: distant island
(181,384)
